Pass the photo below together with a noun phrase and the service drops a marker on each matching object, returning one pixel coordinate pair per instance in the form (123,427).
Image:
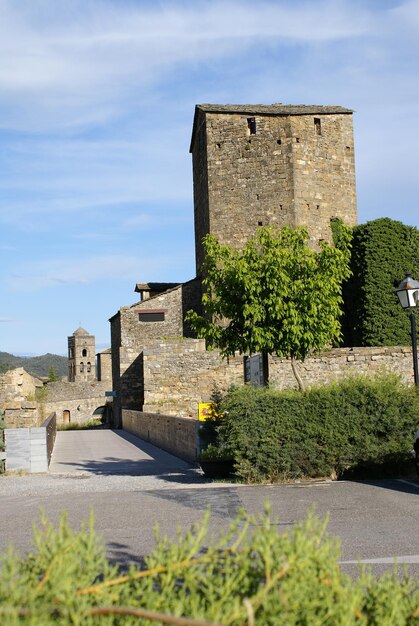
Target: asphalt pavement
(132,486)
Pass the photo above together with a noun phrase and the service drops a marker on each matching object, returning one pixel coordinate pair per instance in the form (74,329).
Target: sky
(97,101)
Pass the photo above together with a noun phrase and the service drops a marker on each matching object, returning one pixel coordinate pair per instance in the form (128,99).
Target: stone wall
(17,398)
(176,435)
(332,365)
(180,374)
(292,171)
(79,399)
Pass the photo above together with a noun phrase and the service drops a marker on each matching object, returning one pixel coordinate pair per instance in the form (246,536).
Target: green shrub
(382,251)
(361,426)
(250,575)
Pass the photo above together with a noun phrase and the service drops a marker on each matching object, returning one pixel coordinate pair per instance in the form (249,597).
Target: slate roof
(273,109)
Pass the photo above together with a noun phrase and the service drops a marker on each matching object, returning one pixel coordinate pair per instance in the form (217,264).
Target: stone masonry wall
(80,399)
(180,374)
(284,174)
(173,434)
(17,398)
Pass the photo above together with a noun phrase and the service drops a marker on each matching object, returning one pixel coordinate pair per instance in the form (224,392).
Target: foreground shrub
(362,426)
(250,575)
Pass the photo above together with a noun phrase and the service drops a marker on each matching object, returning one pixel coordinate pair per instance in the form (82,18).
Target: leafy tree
(52,375)
(276,295)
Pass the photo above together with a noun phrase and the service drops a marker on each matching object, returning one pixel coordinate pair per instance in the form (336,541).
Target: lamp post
(408,294)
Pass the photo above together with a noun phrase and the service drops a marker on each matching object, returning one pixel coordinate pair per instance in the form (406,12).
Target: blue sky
(96,107)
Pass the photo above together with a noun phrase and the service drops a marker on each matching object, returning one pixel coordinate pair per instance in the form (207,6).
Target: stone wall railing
(177,435)
(179,374)
(30,449)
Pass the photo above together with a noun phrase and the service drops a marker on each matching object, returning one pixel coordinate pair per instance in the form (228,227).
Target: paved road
(132,486)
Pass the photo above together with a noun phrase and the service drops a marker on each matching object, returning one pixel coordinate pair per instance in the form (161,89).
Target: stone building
(277,164)
(104,366)
(81,357)
(159,313)
(253,165)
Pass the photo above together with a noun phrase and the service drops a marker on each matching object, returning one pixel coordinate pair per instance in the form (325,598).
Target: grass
(90,425)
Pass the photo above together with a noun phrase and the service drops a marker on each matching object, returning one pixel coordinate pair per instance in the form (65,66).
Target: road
(132,486)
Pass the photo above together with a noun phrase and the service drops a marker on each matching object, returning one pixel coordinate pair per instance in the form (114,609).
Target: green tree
(275,296)
(52,374)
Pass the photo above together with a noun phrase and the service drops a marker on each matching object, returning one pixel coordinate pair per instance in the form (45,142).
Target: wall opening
(317,126)
(151,316)
(81,367)
(89,366)
(84,352)
(66,416)
(251,125)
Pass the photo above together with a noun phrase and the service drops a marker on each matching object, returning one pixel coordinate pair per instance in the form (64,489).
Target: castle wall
(180,374)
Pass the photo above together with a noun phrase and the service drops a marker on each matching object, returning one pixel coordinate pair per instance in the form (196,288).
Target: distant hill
(39,365)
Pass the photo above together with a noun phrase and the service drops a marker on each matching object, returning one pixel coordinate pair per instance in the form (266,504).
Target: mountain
(39,365)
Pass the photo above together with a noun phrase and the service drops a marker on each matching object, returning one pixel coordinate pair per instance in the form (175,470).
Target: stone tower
(81,357)
(277,164)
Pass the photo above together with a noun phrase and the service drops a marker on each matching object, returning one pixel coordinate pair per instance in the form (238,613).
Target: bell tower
(81,357)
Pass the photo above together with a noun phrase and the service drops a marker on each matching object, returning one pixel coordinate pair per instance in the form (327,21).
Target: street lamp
(408,293)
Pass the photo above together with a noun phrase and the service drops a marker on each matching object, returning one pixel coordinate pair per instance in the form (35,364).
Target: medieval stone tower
(277,164)
(81,357)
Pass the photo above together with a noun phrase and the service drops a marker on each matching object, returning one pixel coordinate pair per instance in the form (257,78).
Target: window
(251,125)
(89,366)
(84,352)
(151,316)
(81,367)
(317,126)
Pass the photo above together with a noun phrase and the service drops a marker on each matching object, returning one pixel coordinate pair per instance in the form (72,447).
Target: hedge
(382,251)
(362,426)
(251,575)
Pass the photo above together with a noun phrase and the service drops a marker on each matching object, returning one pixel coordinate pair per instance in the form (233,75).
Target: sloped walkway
(115,452)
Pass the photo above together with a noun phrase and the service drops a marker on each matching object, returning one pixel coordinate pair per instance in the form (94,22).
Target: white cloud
(82,271)
(91,60)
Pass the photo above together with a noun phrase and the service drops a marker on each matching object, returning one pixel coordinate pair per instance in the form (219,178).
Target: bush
(382,251)
(361,426)
(250,575)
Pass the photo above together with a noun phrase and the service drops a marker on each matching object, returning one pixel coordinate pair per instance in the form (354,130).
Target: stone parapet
(176,435)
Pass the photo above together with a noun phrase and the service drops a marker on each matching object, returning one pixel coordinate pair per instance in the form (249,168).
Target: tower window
(317,126)
(260,223)
(89,366)
(81,367)
(251,125)
(84,352)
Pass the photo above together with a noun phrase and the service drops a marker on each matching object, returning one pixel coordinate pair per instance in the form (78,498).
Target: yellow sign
(205,411)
